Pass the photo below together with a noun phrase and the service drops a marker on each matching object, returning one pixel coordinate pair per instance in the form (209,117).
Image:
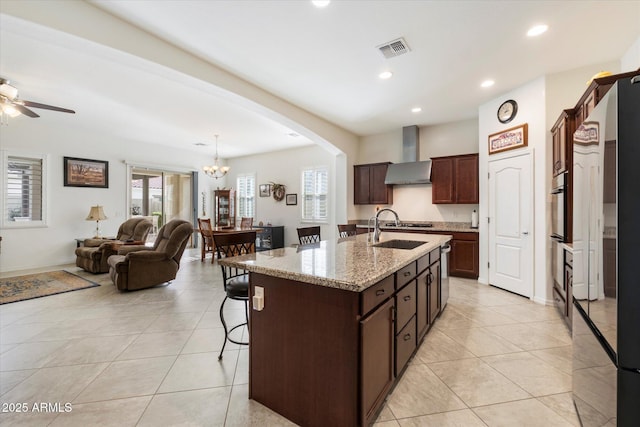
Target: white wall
(285,167)
(631,60)
(531,110)
(68,206)
(413,202)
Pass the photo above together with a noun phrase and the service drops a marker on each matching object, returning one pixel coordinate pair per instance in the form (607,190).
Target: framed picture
(265,190)
(86,173)
(508,139)
(292,199)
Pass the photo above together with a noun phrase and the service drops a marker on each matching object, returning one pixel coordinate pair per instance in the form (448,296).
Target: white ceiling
(323,60)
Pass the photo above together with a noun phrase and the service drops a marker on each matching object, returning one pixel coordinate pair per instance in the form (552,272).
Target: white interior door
(511,224)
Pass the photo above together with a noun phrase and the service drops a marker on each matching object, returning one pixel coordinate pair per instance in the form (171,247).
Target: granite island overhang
(350,263)
(339,323)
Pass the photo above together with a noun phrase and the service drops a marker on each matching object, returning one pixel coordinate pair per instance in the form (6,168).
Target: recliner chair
(139,267)
(93,256)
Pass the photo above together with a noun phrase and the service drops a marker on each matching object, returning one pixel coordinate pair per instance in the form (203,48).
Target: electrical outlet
(258,298)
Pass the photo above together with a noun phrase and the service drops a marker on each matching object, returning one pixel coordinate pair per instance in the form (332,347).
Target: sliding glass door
(160,195)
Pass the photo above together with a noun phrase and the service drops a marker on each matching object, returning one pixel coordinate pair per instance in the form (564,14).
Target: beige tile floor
(149,358)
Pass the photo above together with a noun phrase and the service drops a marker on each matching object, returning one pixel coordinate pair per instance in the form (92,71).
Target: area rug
(20,288)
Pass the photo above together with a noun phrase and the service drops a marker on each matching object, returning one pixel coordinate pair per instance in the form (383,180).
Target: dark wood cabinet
(562,133)
(271,237)
(597,89)
(434,291)
(428,293)
(455,179)
(464,257)
(225,202)
(377,359)
(369,187)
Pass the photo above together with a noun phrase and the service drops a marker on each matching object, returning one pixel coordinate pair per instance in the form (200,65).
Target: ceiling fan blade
(46,107)
(24,110)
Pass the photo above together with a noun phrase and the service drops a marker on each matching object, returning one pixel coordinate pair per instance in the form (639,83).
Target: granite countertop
(438,226)
(349,263)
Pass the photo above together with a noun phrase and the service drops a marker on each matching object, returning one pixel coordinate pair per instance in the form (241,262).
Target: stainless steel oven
(558,207)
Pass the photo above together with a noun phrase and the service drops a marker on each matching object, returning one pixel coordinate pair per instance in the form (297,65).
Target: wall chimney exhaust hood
(410,171)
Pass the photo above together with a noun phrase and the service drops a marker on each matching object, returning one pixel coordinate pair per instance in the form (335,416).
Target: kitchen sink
(399,244)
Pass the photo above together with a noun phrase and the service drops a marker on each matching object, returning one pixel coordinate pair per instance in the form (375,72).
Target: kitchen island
(340,321)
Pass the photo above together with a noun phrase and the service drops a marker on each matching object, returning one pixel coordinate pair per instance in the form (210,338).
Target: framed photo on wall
(86,173)
(292,199)
(265,190)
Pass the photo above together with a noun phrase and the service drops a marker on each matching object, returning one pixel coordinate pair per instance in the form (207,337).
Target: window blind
(24,189)
(315,184)
(246,185)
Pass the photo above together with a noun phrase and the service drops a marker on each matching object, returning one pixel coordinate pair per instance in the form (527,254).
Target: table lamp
(96,214)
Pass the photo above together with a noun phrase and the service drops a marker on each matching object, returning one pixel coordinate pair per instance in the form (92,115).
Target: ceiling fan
(13,106)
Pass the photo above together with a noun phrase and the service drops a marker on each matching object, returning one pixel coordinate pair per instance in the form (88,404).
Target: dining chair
(235,280)
(206,232)
(346,230)
(246,222)
(308,235)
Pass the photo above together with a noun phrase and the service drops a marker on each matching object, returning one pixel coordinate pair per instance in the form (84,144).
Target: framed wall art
(508,139)
(292,199)
(264,190)
(86,173)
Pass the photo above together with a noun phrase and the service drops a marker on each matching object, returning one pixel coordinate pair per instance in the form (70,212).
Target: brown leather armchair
(139,267)
(93,256)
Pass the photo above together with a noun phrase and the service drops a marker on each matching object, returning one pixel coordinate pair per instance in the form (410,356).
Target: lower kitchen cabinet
(377,362)
(428,295)
(464,259)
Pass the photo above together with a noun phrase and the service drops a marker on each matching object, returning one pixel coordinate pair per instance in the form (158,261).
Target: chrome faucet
(376,223)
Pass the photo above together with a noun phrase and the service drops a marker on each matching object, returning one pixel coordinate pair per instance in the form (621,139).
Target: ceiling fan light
(10,110)
(8,91)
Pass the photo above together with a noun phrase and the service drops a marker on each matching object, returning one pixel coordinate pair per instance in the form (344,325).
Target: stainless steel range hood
(410,171)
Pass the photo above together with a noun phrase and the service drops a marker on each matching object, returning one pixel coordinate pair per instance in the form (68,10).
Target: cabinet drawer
(373,296)
(405,275)
(405,305)
(405,344)
(424,262)
(568,258)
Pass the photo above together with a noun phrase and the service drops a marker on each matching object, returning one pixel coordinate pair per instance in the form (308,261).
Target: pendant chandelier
(216,171)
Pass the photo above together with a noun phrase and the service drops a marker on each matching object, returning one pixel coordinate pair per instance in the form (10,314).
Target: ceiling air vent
(394,48)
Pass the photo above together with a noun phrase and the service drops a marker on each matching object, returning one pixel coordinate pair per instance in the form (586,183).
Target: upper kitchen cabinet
(455,179)
(562,132)
(595,92)
(369,187)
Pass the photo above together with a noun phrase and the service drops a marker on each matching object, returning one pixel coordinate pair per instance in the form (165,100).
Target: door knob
(526,233)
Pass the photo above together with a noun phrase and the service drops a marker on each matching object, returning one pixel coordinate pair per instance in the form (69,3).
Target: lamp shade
(96,214)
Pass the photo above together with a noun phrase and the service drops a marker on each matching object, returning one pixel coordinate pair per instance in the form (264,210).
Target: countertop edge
(245,262)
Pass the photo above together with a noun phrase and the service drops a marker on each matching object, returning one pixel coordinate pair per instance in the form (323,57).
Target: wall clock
(507,111)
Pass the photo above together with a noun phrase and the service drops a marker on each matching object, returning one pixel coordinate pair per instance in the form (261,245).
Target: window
(246,185)
(24,191)
(315,184)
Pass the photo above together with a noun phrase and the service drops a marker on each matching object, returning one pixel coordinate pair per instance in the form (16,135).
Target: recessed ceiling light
(537,30)
(321,3)
(385,75)
(416,109)
(487,83)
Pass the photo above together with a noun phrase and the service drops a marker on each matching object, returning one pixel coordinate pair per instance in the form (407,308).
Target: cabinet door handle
(407,273)
(407,298)
(379,292)
(407,337)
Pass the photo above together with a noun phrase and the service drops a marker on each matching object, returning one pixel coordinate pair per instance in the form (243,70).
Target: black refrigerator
(606,256)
